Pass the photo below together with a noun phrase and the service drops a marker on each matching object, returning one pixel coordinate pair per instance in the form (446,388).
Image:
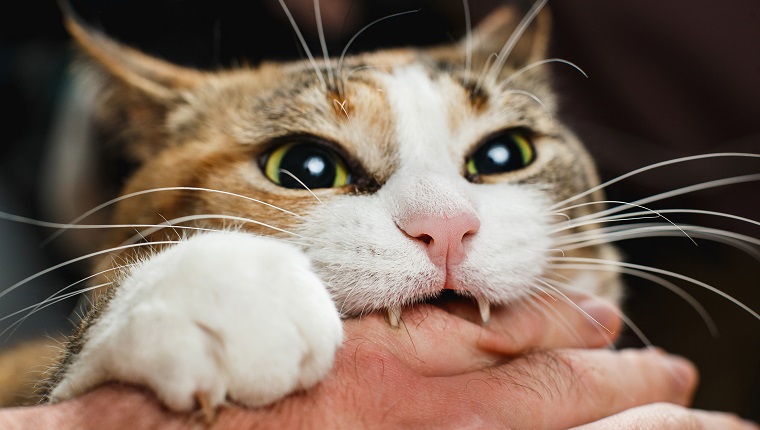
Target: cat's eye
(299,164)
(504,152)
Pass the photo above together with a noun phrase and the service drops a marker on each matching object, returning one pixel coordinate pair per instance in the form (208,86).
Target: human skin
(529,367)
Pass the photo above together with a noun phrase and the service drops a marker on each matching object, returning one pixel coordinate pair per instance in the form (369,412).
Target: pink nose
(444,236)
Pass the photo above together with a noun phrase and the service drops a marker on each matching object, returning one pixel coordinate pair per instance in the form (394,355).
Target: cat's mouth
(475,310)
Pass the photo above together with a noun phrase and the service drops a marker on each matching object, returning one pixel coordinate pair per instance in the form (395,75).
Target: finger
(553,323)
(436,343)
(571,387)
(428,342)
(665,416)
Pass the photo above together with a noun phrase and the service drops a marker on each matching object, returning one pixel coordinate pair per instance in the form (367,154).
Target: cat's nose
(444,236)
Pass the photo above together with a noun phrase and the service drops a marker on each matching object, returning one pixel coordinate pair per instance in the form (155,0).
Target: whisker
(350,41)
(365,67)
(78,259)
(308,189)
(514,38)
(555,314)
(323,42)
(530,66)
(56,294)
(570,301)
(163,189)
(624,205)
(646,230)
(40,306)
(197,217)
(620,264)
(688,298)
(468,40)
(624,217)
(484,71)
(166,221)
(623,317)
(56,225)
(304,44)
(603,185)
(532,96)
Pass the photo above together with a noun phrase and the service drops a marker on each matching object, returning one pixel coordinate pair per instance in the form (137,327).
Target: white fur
(225,314)
(369,263)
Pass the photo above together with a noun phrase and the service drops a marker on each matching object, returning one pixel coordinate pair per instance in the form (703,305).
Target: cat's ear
(492,34)
(135,92)
(154,77)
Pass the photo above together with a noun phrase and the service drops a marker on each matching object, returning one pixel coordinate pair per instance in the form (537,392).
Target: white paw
(225,315)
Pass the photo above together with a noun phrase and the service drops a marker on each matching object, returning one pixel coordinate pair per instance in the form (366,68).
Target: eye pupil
(312,165)
(505,152)
(296,165)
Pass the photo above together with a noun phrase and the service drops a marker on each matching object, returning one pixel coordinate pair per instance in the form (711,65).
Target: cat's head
(426,169)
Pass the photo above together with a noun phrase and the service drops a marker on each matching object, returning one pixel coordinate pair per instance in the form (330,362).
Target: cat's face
(427,169)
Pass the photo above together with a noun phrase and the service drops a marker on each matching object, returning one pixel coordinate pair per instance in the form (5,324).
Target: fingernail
(602,312)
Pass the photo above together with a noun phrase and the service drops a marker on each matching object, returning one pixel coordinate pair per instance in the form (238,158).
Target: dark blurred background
(666,79)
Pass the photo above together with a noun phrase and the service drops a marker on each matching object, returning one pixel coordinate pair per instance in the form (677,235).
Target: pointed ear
(496,30)
(156,78)
(135,92)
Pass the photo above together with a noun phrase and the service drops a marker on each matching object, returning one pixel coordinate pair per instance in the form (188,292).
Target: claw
(207,411)
(485,309)
(394,316)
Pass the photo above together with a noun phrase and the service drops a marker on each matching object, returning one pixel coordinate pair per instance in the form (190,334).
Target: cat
(307,192)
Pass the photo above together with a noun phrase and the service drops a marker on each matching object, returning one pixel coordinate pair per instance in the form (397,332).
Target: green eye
(504,152)
(315,166)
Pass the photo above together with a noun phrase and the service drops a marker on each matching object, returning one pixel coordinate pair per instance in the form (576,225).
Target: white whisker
(559,205)
(304,44)
(556,314)
(484,71)
(323,42)
(570,301)
(609,235)
(40,306)
(530,66)
(197,217)
(627,321)
(468,40)
(158,190)
(620,264)
(56,294)
(506,50)
(81,258)
(350,41)
(593,217)
(308,189)
(688,298)
(532,96)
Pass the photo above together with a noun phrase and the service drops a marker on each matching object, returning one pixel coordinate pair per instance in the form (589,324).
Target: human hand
(440,371)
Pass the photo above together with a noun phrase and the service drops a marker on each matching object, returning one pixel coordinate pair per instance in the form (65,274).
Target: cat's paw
(223,315)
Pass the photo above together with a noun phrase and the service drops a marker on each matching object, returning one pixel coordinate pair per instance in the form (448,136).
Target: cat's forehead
(383,110)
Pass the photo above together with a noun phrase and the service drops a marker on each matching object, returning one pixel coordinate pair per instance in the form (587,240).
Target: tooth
(394,316)
(485,309)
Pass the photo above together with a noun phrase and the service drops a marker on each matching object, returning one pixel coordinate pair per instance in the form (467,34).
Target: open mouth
(475,310)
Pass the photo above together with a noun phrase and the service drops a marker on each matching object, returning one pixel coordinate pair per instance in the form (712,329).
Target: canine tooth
(485,309)
(394,316)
